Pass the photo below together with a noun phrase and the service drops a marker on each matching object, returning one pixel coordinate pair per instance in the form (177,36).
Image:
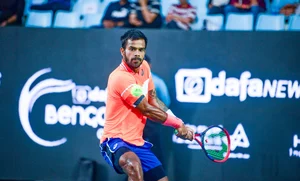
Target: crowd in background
(144,13)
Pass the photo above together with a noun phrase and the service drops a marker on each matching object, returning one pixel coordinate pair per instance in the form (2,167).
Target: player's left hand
(185,133)
(191,134)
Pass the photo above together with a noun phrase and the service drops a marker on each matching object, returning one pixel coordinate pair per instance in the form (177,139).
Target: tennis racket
(215,142)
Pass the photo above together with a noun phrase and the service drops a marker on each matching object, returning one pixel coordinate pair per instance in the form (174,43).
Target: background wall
(52,88)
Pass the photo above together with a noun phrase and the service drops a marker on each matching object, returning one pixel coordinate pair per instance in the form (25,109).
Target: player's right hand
(185,133)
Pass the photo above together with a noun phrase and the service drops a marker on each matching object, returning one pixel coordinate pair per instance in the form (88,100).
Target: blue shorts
(113,148)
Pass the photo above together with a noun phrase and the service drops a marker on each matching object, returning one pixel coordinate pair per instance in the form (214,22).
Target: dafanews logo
(292,151)
(198,86)
(80,113)
(239,139)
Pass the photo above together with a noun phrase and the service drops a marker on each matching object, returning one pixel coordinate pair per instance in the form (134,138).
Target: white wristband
(170,112)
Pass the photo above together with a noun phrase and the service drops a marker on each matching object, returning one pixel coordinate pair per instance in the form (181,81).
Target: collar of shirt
(127,68)
(186,6)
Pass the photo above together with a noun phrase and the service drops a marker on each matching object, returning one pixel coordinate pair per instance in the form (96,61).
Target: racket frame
(200,142)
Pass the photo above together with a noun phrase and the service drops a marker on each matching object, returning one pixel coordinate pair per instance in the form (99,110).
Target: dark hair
(132,34)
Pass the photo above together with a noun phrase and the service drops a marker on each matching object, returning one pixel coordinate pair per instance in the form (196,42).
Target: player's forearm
(153,100)
(152,112)
(158,115)
(161,105)
(155,114)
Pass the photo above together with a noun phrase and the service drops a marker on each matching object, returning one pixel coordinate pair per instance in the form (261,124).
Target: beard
(134,62)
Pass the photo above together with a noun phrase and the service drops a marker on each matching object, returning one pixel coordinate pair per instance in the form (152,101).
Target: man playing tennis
(131,99)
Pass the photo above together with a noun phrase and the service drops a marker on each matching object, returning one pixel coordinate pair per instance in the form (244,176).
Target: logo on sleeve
(136,90)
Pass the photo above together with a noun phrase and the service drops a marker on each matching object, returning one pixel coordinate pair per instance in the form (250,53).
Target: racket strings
(216,144)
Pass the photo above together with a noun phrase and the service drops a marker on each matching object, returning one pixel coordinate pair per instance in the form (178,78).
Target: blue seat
(39,19)
(294,23)
(87,7)
(201,6)
(29,3)
(198,24)
(65,19)
(214,22)
(92,20)
(39,1)
(268,22)
(239,22)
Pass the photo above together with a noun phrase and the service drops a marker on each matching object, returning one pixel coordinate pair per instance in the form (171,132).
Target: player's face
(134,53)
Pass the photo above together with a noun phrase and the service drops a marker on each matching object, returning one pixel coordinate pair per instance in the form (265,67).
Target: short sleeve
(151,83)
(108,11)
(155,7)
(133,8)
(125,86)
(171,9)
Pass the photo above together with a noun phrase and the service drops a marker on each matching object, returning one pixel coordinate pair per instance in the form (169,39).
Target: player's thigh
(130,163)
(152,167)
(155,174)
(128,157)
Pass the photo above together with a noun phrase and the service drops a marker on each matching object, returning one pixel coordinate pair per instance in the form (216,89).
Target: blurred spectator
(53,5)
(297,11)
(216,6)
(181,16)
(117,14)
(246,6)
(145,14)
(11,12)
(290,9)
(161,88)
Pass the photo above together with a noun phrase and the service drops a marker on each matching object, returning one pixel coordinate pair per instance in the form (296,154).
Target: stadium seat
(214,22)
(294,23)
(239,22)
(198,24)
(36,2)
(39,19)
(65,19)
(92,20)
(201,6)
(267,22)
(28,4)
(201,14)
(87,7)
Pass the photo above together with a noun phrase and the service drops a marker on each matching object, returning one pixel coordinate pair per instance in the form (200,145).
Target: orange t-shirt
(125,89)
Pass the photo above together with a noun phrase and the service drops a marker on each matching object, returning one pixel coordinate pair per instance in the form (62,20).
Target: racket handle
(175,132)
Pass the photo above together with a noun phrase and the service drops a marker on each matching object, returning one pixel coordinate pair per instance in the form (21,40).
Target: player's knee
(131,165)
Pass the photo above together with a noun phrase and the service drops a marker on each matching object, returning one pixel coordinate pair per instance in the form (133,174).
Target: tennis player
(131,99)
